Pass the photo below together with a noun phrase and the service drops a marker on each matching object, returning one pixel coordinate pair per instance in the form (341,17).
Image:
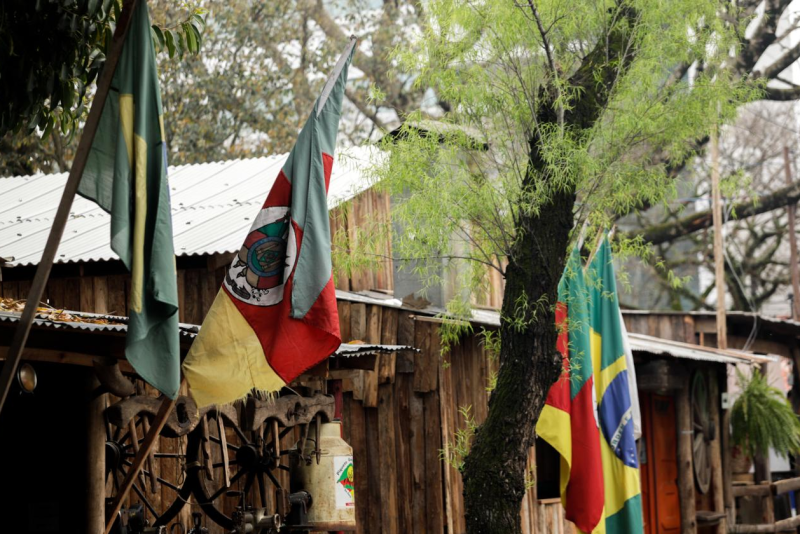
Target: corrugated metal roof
(639,342)
(213,206)
(676,349)
(479,315)
(188,331)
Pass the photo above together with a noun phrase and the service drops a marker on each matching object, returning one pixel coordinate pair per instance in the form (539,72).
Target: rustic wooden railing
(767,491)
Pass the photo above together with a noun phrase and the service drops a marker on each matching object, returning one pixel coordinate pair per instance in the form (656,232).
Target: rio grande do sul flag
(275,315)
(623,499)
(568,421)
(126,174)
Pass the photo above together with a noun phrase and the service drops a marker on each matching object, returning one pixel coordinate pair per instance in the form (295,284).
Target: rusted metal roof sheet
(676,349)
(119,325)
(213,206)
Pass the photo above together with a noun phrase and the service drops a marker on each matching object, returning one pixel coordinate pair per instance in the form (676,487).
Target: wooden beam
(60,356)
(752,490)
(719,257)
(715,456)
(686,495)
(785,486)
(62,214)
(96,458)
(791,209)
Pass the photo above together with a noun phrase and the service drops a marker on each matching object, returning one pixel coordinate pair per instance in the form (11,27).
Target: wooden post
(717,484)
(95,460)
(727,469)
(683,418)
(141,456)
(719,257)
(62,214)
(791,209)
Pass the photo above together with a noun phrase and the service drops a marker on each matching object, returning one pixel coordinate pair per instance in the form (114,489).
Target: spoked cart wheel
(235,460)
(161,487)
(704,432)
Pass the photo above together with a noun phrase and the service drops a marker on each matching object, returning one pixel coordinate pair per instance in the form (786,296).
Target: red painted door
(659,472)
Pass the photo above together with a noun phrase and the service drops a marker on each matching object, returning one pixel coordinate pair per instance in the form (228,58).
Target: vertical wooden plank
(210,290)
(434,359)
(344,320)
(433,464)
(403,440)
(374,315)
(72,294)
(387,362)
(422,364)
(192,312)
(387,459)
(181,295)
(100,284)
(417,464)
(358,441)
(406,335)
(374,519)
(117,298)
(445,401)
(715,452)
(86,294)
(686,495)
(55,293)
(358,321)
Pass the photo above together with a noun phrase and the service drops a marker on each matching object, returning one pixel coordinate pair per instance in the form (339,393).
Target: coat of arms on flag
(275,315)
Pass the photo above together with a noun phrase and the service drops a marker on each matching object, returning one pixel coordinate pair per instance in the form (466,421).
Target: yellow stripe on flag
(220,377)
(621,481)
(554,427)
(126,123)
(139,221)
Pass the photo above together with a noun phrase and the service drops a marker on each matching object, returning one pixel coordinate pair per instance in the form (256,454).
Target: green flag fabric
(126,174)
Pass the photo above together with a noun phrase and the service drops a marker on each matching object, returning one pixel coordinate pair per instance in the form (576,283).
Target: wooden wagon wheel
(121,446)
(703,432)
(225,470)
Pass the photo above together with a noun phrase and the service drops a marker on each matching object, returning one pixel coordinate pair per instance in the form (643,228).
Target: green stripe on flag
(126,174)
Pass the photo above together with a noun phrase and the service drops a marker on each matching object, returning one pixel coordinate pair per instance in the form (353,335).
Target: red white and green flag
(275,315)
(568,420)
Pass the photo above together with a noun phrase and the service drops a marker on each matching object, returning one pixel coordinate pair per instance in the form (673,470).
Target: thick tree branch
(782,63)
(763,36)
(669,231)
(783,95)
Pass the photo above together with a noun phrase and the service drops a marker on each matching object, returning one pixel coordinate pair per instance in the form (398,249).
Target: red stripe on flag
(281,192)
(327,165)
(585,491)
(559,395)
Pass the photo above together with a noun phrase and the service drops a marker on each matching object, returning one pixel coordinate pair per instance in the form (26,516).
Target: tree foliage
(577,116)
(51,52)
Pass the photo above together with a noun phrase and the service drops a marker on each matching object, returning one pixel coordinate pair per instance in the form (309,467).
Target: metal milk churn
(325,470)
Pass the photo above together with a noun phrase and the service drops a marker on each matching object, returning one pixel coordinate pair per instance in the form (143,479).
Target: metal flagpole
(62,214)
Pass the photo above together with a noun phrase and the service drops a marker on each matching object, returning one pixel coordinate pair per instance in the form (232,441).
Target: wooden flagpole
(62,214)
(719,257)
(791,209)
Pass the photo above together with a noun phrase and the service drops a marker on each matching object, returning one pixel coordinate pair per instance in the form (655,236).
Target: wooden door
(659,465)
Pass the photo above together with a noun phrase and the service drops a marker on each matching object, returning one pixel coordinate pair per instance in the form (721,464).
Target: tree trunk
(494,470)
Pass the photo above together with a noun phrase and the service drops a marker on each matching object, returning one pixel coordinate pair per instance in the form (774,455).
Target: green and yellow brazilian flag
(126,174)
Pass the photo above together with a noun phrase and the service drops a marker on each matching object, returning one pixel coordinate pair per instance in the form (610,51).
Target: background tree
(51,53)
(261,67)
(582,118)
